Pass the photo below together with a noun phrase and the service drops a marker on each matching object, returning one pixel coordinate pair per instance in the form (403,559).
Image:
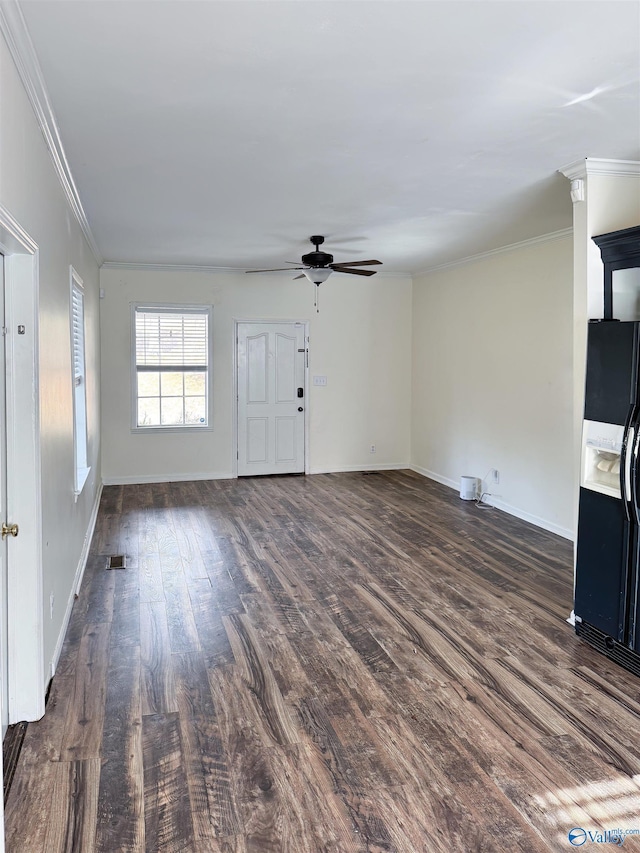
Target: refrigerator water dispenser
(601,449)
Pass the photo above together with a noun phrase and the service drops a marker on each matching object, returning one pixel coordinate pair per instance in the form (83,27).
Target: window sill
(170,430)
(82,475)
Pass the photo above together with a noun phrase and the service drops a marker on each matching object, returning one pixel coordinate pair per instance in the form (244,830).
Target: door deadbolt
(9,529)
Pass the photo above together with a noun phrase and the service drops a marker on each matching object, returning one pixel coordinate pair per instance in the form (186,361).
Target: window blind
(77,318)
(171,340)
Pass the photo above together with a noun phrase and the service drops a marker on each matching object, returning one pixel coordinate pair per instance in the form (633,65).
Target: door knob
(9,529)
(299,408)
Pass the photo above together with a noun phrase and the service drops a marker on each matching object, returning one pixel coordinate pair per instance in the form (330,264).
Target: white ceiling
(225,133)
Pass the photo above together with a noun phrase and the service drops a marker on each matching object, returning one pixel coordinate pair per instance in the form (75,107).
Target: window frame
(79,389)
(171,308)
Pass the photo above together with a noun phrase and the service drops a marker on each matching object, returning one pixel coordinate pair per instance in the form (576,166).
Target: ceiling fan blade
(355,264)
(298,276)
(354,272)
(279,269)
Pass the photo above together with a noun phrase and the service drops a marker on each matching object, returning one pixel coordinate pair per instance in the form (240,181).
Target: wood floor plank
(28,807)
(125,625)
(224,595)
(95,601)
(208,617)
(157,682)
(213,809)
(74,805)
(167,810)
(111,500)
(312,817)
(183,632)
(108,531)
(85,716)
(188,544)
(120,823)
(238,565)
(270,708)
(148,532)
(150,576)
(268,782)
(43,739)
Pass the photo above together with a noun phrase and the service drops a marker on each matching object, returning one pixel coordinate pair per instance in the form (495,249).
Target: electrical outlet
(495,476)
(51,600)
(372,449)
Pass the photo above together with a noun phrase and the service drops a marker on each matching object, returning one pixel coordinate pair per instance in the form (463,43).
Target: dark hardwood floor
(340,662)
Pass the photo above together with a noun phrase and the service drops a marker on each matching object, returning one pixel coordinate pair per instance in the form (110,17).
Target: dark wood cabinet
(620,251)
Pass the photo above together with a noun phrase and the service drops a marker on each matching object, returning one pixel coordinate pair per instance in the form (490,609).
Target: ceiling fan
(318,265)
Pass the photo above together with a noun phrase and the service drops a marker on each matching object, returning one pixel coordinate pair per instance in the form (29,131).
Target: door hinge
(4,331)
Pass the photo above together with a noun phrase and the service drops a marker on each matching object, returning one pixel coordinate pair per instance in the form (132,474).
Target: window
(81,463)
(171,367)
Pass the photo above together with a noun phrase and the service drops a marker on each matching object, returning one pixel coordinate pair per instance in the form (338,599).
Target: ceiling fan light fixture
(318,274)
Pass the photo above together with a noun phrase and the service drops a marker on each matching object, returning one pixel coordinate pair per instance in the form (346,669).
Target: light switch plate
(319,380)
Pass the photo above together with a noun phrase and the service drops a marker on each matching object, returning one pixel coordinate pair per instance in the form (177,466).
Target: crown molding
(11,226)
(134,265)
(503,250)
(14,29)
(580,169)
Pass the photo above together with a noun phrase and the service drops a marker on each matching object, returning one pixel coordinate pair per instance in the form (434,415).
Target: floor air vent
(117,561)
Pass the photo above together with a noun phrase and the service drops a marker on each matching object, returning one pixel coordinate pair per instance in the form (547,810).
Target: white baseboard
(143,479)
(431,475)
(75,587)
(345,469)
(565,532)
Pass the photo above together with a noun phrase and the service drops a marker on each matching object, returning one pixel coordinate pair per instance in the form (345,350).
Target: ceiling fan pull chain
(317,299)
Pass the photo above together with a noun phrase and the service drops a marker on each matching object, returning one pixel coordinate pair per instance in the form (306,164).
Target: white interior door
(4,656)
(271,398)
(20,434)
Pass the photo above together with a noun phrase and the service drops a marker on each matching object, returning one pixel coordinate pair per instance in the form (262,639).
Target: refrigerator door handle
(626,455)
(626,467)
(633,464)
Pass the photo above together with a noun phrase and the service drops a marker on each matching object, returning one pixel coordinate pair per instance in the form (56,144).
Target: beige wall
(360,341)
(31,192)
(492,378)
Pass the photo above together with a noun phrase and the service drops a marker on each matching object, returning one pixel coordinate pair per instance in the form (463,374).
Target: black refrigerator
(608,548)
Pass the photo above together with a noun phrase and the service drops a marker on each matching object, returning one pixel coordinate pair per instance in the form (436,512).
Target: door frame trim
(234,407)
(25,616)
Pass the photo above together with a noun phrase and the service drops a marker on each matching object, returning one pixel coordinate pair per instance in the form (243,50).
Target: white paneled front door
(271,398)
